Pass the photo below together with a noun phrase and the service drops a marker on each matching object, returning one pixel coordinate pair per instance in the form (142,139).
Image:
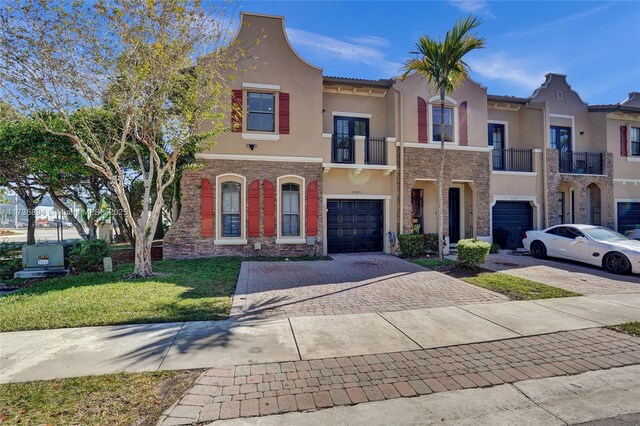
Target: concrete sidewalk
(48,354)
(561,400)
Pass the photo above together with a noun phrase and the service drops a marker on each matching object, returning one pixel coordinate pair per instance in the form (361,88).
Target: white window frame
(242,239)
(631,141)
(298,180)
(434,101)
(506,131)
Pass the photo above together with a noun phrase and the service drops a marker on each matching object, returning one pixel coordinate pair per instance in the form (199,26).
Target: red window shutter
(269,209)
(236,111)
(312,209)
(422,120)
(206,208)
(254,209)
(462,113)
(623,141)
(284,114)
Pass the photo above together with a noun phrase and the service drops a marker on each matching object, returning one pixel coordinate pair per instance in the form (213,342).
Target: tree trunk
(31,220)
(441,182)
(69,215)
(142,266)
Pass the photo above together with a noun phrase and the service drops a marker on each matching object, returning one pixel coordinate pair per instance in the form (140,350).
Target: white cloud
(359,51)
(559,22)
(371,40)
(524,74)
(474,7)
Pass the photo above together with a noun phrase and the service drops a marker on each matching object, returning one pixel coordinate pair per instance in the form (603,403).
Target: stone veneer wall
(184,240)
(580,183)
(459,165)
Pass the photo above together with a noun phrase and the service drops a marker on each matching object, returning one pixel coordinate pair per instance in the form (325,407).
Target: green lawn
(114,399)
(628,327)
(432,262)
(184,290)
(517,288)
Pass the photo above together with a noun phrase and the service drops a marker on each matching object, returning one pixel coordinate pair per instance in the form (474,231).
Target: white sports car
(595,245)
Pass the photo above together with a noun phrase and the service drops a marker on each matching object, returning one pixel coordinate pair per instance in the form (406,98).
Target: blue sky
(597,44)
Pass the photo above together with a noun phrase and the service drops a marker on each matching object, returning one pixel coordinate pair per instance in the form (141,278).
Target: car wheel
(538,250)
(617,263)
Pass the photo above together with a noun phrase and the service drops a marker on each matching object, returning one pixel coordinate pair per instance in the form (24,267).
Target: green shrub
(10,259)
(411,245)
(495,248)
(472,253)
(430,242)
(86,256)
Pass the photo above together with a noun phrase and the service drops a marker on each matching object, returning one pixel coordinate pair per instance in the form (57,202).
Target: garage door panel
(354,226)
(511,219)
(628,216)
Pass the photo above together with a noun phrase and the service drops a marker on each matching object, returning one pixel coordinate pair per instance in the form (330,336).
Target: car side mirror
(581,239)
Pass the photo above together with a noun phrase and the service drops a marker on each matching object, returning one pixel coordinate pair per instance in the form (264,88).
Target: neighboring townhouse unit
(318,164)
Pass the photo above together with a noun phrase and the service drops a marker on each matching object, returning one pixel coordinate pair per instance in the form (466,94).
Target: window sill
(229,242)
(291,240)
(634,159)
(260,136)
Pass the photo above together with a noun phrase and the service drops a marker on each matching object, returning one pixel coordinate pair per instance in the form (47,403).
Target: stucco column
(358,149)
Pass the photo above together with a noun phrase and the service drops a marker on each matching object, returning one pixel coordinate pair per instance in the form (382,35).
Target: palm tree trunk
(441,181)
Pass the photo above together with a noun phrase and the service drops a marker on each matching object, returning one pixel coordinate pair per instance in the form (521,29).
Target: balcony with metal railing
(361,152)
(583,163)
(513,160)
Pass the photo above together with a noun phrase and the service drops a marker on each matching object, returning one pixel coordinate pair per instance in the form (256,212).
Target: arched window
(231,209)
(290,210)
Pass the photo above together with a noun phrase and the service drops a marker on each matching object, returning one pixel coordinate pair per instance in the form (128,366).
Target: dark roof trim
(510,99)
(382,83)
(613,107)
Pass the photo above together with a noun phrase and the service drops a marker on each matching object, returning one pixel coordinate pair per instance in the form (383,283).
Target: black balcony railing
(587,163)
(513,160)
(375,151)
(342,149)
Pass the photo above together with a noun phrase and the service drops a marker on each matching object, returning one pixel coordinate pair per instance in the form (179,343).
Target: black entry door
(354,226)
(454,215)
(511,219)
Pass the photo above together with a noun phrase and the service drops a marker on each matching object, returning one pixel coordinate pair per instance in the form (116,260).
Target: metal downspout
(545,189)
(399,124)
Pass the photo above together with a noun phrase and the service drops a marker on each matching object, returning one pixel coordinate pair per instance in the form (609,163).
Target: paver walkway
(272,388)
(570,276)
(349,284)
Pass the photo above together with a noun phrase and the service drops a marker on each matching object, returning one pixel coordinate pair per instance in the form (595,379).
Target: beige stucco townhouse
(318,164)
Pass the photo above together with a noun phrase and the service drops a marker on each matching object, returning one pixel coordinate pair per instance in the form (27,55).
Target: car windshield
(604,234)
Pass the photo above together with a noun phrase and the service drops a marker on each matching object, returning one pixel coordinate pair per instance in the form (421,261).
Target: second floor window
(261,112)
(290,210)
(230,209)
(448,124)
(635,141)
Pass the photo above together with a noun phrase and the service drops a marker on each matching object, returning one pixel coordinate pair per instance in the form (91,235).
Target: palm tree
(441,64)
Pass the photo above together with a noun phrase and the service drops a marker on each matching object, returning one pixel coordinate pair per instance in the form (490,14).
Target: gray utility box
(45,259)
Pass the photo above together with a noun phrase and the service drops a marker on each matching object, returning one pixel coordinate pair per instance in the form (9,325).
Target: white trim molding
(573,128)
(302,218)
(250,157)
(327,135)
(386,212)
(633,159)
(351,114)
(242,239)
(260,86)
(532,199)
(506,130)
(359,168)
(260,136)
(626,181)
(436,145)
(502,172)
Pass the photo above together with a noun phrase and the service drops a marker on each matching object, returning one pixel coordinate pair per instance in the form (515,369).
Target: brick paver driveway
(569,275)
(348,284)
